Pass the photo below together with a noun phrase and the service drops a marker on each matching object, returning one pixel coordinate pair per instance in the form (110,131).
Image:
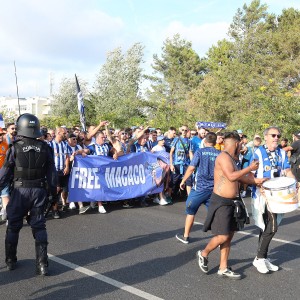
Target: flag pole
(80,105)
(17,88)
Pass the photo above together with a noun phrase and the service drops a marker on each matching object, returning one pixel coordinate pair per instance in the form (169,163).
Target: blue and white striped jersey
(97,149)
(61,152)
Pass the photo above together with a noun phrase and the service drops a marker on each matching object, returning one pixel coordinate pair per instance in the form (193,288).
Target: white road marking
(129,288)
(103,278)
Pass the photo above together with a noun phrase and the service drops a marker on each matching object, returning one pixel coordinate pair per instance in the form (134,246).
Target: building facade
(38,106)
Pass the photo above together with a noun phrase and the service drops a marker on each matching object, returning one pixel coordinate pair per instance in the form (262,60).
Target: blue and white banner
(96,178)
(80,105)
(211,124)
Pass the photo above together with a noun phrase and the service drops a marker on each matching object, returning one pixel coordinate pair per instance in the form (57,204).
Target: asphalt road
(133,254)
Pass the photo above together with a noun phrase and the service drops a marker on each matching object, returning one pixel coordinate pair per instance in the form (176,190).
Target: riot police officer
(30,167)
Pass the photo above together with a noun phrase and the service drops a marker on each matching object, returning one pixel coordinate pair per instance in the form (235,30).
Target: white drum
(281,194)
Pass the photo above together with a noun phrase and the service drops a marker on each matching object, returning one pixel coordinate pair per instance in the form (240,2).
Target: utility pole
(17,88)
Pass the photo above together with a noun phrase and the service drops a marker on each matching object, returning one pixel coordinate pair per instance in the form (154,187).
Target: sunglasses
(185,130)
(13,128)
(123,133)
(273,135)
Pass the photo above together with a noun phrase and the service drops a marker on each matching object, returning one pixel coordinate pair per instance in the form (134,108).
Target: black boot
(11,256)
(41,258)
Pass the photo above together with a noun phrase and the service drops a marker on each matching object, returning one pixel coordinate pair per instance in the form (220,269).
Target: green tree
(253,78)
(177,72)
(117,92)
(64,109)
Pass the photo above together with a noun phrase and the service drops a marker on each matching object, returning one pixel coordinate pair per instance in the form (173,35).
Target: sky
(58,38)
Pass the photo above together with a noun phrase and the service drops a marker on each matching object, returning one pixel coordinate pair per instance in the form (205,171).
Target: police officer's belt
(30,184)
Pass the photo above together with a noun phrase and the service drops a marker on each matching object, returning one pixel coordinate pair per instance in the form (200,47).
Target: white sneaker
(156,200)
(72,205)
(101,209)
(243,194)
(163,201)
(93,204)
(270,266)
(260,265)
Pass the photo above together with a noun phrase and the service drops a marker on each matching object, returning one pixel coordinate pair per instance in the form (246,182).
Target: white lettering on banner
(124,173)
(87,178)
(124,176)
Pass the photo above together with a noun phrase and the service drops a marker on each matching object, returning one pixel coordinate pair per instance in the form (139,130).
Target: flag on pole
(2,124)
(80,105)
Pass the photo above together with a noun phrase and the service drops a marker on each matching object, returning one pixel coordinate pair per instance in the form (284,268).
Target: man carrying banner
(101,148)
(75,149)
(62,165)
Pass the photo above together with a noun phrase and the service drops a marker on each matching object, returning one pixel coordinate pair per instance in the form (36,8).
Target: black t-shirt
(296,148)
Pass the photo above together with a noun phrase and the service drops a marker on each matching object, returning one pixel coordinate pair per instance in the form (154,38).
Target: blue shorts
(195,199)
(5,192)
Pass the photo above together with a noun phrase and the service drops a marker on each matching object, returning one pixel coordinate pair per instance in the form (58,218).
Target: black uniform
(295,159)
(29,165)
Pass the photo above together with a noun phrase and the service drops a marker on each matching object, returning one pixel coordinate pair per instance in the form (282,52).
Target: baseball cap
(160,138)
(239,131)
(71,135)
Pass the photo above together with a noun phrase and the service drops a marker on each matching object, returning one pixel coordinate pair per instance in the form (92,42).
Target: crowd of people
(216,169)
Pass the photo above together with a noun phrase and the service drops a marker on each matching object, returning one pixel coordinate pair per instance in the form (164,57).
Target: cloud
(55,35)
(67,36)
(202,36)
(56,29)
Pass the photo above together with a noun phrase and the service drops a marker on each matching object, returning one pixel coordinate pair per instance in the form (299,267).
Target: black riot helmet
(28,125)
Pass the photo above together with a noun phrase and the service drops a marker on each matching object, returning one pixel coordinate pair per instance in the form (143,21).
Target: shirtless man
(220,217)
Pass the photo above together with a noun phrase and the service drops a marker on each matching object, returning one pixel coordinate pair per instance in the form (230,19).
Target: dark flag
(80,105)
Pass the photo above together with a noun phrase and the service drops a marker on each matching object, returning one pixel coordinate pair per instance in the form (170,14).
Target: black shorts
(223,222)
(176,177)
(63,182)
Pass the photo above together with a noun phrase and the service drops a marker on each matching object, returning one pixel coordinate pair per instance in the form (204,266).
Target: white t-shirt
(158,148)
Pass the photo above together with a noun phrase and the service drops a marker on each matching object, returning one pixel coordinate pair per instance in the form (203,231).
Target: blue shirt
(99,150)
(204,162)
(265,169)
(168,143)
(181,147)
(136,147)
(61,152)
(196,143)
